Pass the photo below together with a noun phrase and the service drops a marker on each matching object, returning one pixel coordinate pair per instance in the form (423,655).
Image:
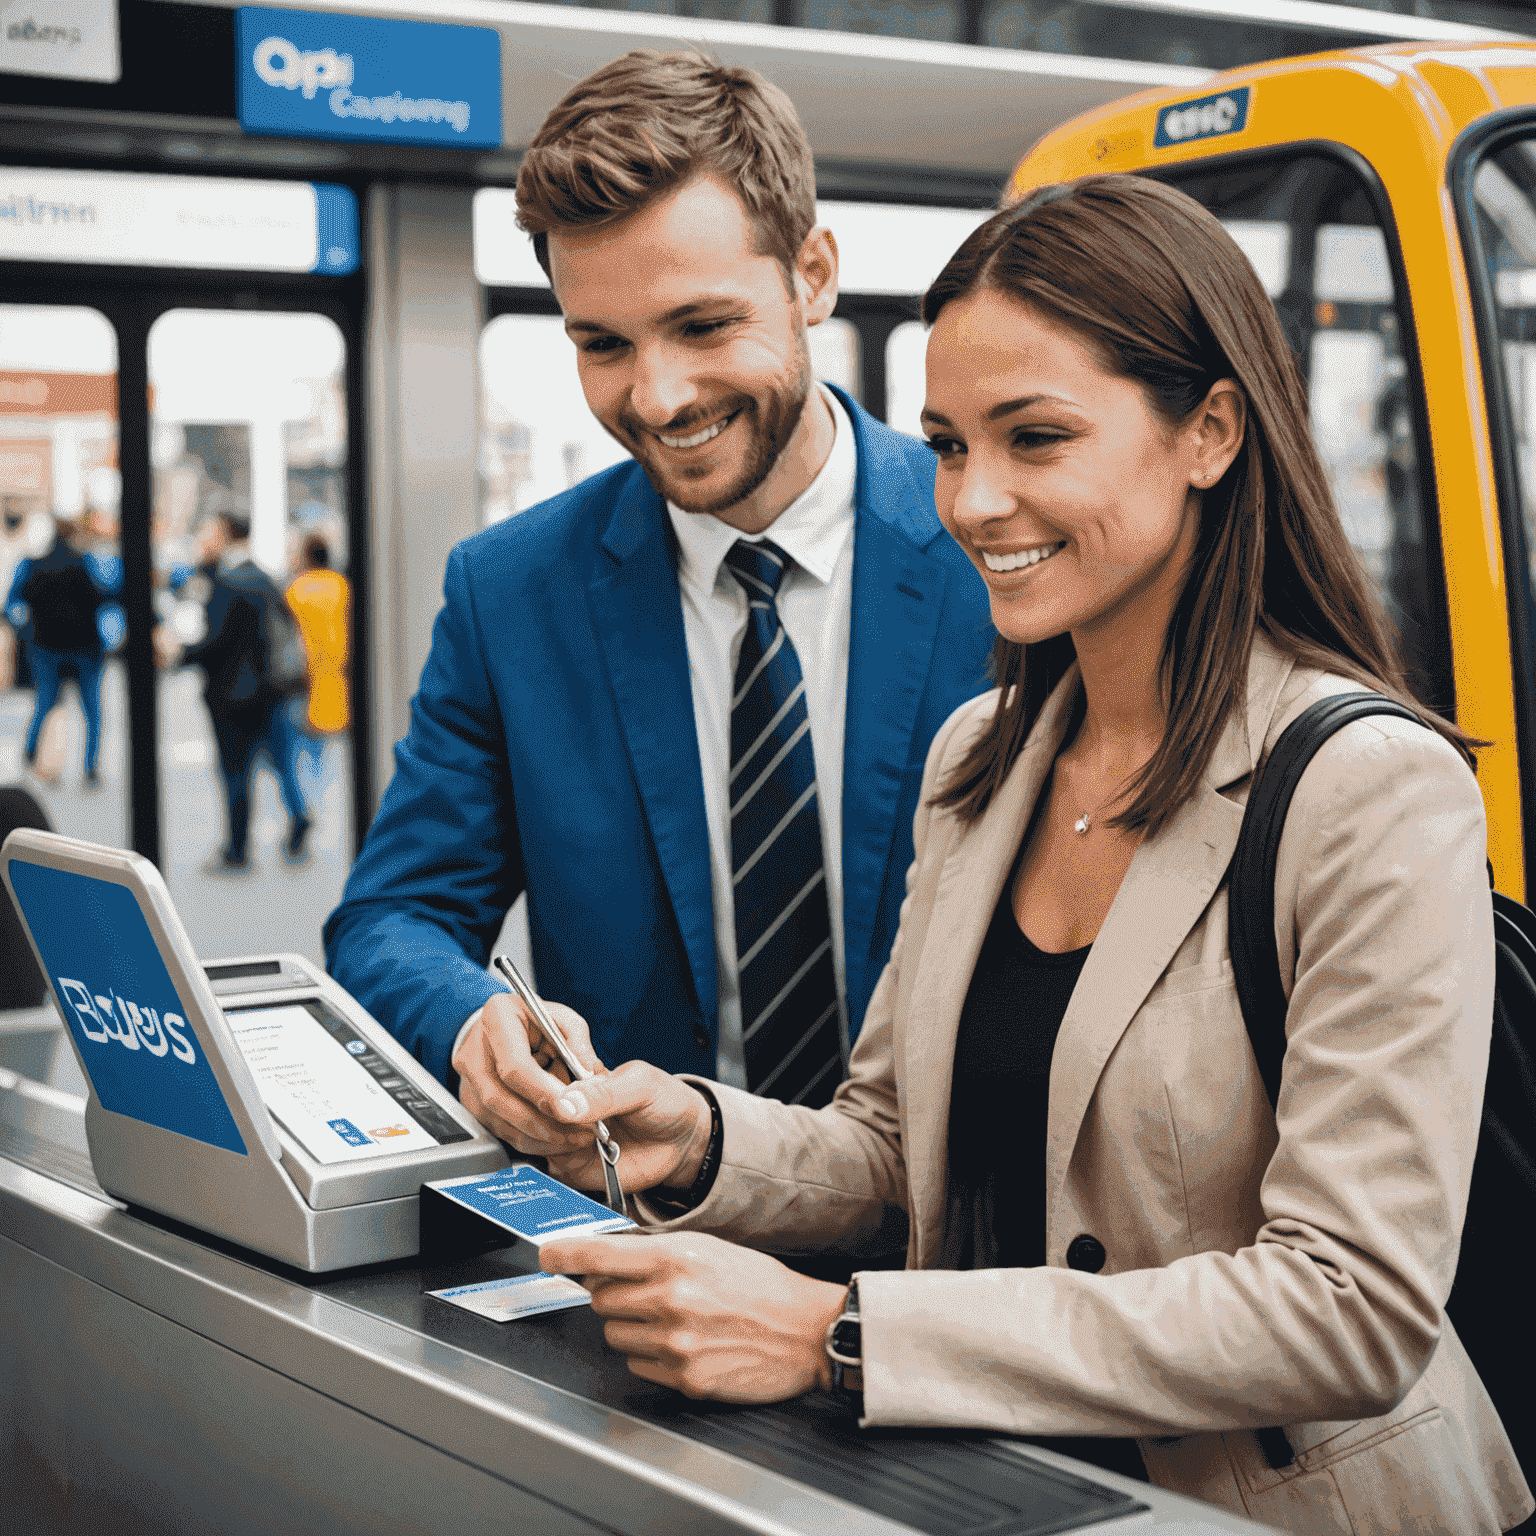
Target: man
(57,601)
(685,704)
(246,707)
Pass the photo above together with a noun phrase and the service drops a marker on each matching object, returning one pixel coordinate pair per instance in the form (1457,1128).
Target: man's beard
(769,424)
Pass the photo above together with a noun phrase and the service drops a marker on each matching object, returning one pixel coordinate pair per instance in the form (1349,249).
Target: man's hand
(514,1084)
(704,1316)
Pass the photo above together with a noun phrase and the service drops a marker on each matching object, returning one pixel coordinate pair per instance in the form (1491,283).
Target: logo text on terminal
(106,1017)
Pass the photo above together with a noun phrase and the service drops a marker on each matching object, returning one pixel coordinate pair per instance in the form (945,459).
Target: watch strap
(845,1352)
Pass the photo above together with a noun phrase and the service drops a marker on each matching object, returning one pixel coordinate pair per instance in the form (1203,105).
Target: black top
(1013,1011)
(1002,1077)
(64,602)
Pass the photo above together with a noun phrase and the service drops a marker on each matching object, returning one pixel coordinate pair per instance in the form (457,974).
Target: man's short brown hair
(650,121)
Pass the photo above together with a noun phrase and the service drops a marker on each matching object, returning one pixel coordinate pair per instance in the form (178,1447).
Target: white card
(516,1296)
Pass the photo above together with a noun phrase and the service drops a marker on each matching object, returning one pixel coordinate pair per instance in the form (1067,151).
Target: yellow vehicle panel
(1400,108)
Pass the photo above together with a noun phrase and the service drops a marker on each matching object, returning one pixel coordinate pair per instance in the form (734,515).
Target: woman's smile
(1000,562)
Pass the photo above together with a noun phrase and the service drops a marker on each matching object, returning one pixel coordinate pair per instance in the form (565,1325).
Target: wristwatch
(845,1351)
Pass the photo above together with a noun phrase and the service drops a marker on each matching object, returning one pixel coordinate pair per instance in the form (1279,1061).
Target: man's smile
(699,438)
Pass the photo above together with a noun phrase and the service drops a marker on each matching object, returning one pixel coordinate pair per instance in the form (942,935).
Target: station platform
(166,1382)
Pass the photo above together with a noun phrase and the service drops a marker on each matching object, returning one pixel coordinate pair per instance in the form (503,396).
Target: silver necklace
(1081,825)
(1085,821)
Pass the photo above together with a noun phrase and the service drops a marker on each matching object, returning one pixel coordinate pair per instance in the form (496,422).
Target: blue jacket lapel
(638,616)
(898,597)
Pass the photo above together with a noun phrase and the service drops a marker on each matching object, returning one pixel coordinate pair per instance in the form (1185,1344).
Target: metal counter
(156,1381)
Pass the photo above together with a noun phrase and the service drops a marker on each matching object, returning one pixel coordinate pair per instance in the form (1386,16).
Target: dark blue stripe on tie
(788,985)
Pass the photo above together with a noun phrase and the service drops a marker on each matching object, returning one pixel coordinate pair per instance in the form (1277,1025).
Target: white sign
(67,39)
(159,221)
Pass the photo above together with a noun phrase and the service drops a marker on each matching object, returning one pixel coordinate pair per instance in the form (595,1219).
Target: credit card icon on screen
(379,1133)
(349,1133)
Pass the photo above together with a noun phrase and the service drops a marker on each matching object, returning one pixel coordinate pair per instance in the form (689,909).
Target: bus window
(1504,199)
(1315,235)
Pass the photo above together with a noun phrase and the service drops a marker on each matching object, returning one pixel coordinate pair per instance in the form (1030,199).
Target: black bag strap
(1251,875)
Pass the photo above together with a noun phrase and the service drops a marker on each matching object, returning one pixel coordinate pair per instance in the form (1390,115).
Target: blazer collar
(898,606)
(1166,890)
(885,487)
(639,515)
(1241,744)
(1170,883)
(637,616)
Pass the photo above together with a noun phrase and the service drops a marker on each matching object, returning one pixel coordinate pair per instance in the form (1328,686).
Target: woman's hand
(514,1084)
(704,1316)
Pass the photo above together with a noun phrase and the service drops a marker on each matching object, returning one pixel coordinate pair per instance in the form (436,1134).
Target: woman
(1111,1234)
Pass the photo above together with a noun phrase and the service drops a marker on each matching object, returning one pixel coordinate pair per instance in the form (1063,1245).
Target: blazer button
(1086,1252)
(700,1037)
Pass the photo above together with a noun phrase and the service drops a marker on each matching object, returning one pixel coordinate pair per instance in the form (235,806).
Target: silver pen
(607,1148)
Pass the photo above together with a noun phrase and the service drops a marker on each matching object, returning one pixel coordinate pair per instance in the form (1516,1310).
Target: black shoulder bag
(1492,1302)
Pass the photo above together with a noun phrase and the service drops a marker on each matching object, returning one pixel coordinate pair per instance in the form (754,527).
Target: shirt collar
(811,530)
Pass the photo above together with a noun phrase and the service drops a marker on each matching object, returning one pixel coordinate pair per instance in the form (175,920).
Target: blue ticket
(531,1205)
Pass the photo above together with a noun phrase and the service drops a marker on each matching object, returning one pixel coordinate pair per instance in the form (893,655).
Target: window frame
(1473,146)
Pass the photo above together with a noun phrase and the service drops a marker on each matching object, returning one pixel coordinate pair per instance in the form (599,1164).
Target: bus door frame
(1473,145)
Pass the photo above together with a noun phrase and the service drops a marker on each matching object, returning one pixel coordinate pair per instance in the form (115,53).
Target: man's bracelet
(688,1199)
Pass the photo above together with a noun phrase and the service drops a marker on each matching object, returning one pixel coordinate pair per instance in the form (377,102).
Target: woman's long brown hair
(1149,280)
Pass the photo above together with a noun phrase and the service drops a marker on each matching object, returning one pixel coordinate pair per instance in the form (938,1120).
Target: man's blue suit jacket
(552,745)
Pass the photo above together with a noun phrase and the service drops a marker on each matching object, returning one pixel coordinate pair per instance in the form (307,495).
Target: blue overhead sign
(310,75)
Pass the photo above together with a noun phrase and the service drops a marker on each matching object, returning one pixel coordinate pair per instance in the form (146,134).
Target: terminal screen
(327,1087)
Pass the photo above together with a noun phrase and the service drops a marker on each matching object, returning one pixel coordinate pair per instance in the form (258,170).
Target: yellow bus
(1387,198)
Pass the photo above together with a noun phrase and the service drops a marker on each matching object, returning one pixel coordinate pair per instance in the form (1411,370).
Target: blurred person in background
(62,603)
(245,704)
(321,601)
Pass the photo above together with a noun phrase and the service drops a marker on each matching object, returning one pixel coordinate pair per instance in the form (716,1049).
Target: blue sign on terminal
(143,1059)
(311,75)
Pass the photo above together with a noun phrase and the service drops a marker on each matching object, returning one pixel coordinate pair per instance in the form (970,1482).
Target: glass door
(63,722)
(252,598)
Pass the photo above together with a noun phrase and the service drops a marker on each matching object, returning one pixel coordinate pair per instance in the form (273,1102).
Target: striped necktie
(789,1021)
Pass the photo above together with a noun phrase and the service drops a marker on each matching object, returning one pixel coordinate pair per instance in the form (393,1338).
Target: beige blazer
(1253,1276)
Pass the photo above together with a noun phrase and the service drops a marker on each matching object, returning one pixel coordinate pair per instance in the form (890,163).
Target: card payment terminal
(254,1098)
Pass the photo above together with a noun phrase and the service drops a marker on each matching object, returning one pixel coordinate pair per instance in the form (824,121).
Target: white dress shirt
(815,604)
